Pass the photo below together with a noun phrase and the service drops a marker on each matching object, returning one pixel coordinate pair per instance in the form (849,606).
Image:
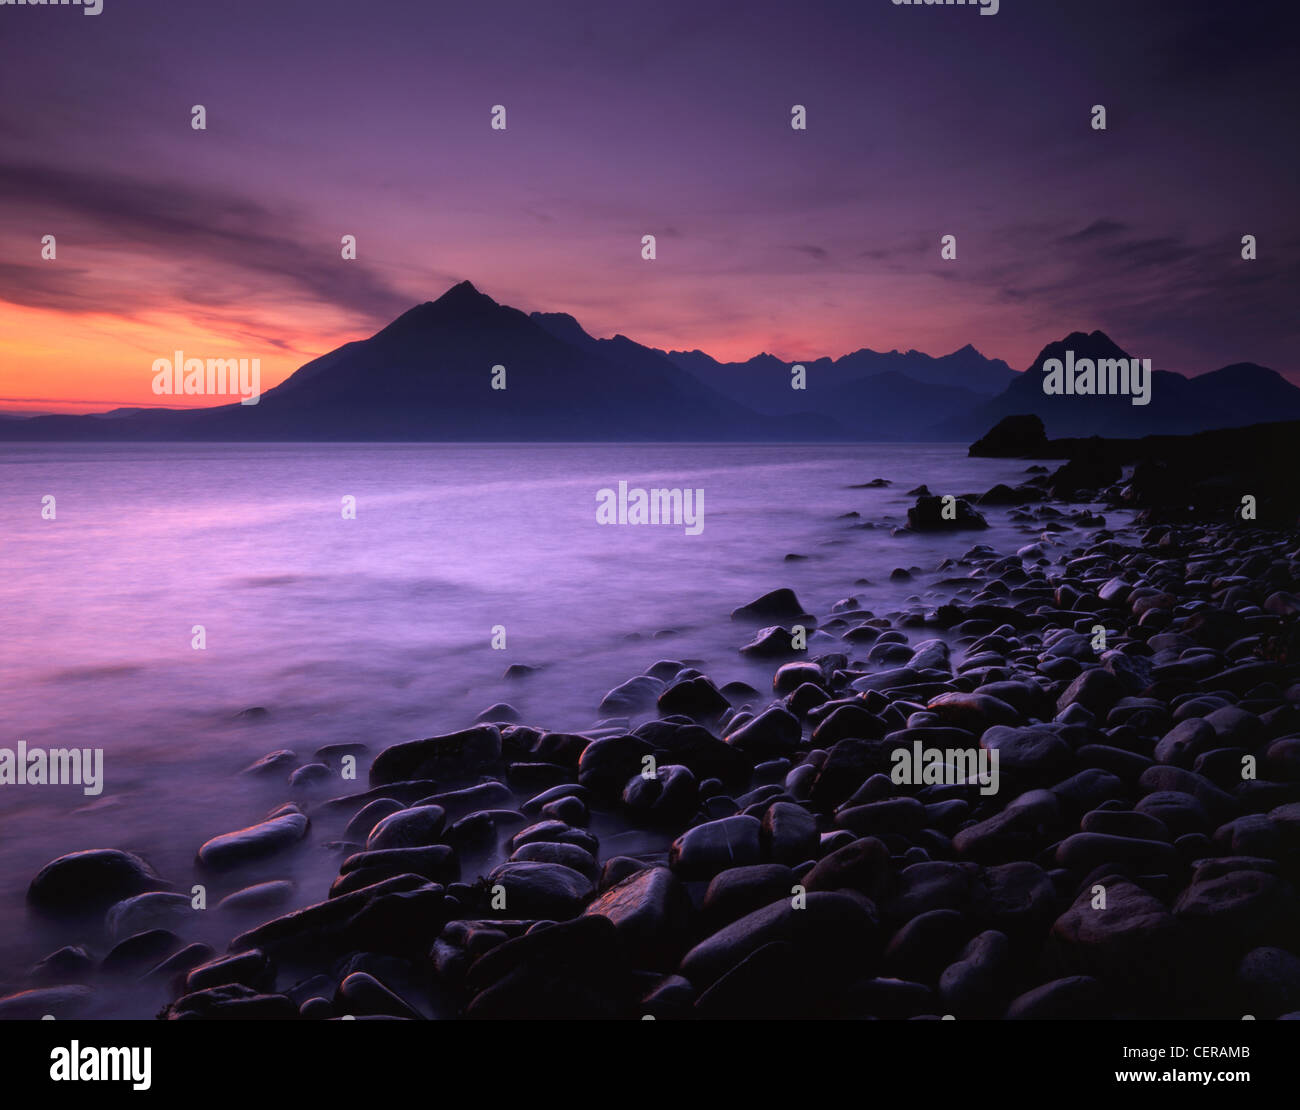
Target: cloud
(1098,229)
(1178,299)
(235,248)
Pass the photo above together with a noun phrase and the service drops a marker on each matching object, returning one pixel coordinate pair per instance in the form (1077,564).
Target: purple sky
(326,118)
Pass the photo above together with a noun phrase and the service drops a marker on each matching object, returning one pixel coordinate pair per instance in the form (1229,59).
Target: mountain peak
(1093,345)
(461,301)
(463,295)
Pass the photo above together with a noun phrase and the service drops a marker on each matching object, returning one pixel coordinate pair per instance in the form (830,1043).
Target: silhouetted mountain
(632,357)
(564,327)
(1245,393)
(763,382)
(428,376)
(965,368)
(1235,395)
(892,406)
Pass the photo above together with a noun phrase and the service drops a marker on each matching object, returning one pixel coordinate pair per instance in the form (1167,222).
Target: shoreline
(746,806)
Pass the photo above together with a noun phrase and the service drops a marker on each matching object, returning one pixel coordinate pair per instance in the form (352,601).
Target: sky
(372,119)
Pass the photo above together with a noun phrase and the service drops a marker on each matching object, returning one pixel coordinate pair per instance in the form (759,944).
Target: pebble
(759,857)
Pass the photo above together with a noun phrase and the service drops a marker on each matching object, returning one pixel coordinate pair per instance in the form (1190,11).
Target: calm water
(378,629)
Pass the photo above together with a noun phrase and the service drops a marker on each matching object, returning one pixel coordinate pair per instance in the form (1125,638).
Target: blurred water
(378,629)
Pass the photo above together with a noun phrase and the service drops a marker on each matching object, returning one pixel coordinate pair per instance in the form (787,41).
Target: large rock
(772,642)
(863,865)
(778,605)
(545,890)
(337,925)
(928,515)
(369,815)
(251,969)
(152,910)
(1231,913)
(91,881)
(975,984)
(741,890)
(774,732)
(902,815)
(1087,469)
(701,852)
(1002,494)
(632,696)
(1031,756)
(932,885)
(1179,812)
(789,833)
(669,797)
(257,842)
(1084,851)
(362,994)
(767,985)
(835,934)
(136,954)
(920,950)
(436,862)
(849,763)
(845,721)
(1185,741)
(707,757)
(259,896)
(558,832)
(974,712)
(570,855)
(1097,690)
(417,827)
(1020,831)
(62,1002)
(233,1002)
(1163,779)
(1021,436)
(608,763)
(651,911)
(1131,944)
(574,970)
(1068,999)
(693,697)
(455,755)
(469,799)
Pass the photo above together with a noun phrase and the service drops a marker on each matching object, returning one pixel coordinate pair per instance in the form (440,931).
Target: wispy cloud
(232,248)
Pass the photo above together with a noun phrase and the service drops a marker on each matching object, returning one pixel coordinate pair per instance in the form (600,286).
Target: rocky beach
(711,849)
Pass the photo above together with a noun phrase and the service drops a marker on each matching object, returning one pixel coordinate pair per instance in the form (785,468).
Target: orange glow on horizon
(52,361)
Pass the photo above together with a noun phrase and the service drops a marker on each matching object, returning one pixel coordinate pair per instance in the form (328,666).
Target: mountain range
(428,376)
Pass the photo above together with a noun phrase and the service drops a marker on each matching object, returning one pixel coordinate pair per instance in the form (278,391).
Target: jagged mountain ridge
(427,377)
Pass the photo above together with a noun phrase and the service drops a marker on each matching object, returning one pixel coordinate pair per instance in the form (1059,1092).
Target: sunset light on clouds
(801,244)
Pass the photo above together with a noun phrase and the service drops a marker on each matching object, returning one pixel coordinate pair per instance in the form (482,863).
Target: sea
(151,595)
